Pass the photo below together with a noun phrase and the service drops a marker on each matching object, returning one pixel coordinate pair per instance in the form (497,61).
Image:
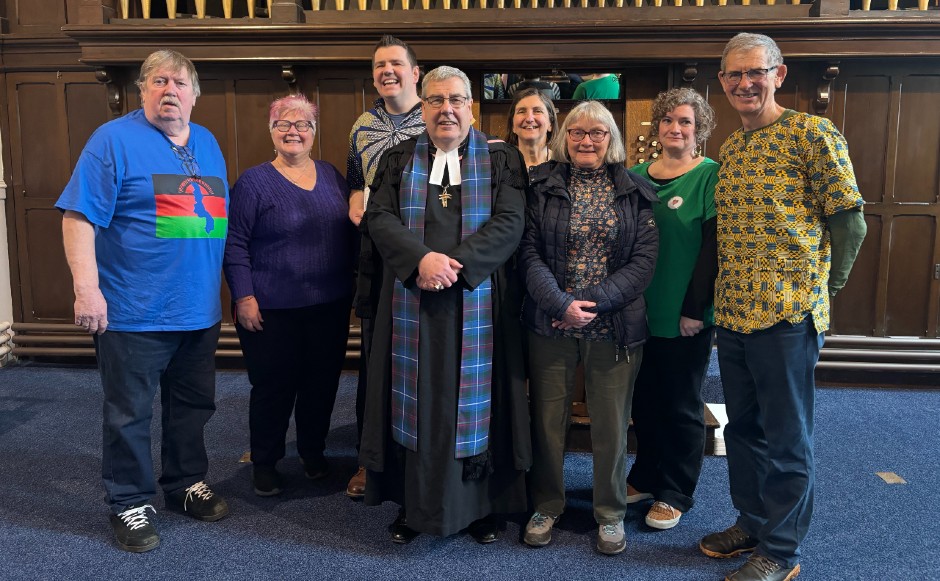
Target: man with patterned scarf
(396,117)
(446,431)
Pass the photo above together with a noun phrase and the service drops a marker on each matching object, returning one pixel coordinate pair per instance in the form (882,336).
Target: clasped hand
(575,316)
(437,271)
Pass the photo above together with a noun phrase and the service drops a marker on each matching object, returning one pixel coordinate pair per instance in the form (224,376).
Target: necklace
(283,171)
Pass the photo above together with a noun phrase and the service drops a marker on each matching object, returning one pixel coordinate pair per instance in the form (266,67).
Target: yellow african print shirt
(775,189)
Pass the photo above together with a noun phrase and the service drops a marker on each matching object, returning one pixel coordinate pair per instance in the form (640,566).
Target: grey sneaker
(610,539)
(538,532)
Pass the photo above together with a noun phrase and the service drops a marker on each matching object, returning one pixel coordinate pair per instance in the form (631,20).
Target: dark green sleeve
(847,230)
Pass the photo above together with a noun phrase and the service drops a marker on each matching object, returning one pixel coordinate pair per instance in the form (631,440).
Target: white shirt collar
(452,161)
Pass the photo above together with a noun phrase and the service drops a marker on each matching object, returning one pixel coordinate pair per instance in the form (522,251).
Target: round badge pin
(674,203)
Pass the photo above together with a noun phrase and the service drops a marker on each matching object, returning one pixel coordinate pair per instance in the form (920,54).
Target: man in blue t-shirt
(145,219)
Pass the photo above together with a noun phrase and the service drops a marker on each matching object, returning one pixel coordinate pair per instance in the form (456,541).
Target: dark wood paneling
(863,111)
(340,102)
(50,289)
(41,133)
(213,111)
(918,161)
(909,276)
(85,113)
(51,117)
(38,14)
(854,309)
(727,119)
(253,99)
(893,132)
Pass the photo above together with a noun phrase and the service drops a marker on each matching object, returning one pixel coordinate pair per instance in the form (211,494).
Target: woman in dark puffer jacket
(588,253)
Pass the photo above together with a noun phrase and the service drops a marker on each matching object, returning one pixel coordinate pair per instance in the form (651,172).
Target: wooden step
(579,434)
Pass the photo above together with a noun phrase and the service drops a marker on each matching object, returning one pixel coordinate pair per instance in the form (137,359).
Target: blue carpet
(53,522)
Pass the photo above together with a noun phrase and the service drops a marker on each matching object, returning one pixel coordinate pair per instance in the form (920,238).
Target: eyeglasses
(437,101)
(284,126)
(187,160)
(754,75)
(596,135)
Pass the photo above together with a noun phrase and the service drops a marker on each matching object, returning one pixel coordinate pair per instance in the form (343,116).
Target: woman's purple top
(287,246)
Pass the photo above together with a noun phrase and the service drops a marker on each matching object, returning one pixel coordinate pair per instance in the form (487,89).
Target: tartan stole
(476,353)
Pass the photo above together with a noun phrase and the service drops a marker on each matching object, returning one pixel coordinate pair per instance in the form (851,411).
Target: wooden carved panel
(85,113)
(32,14)
(49,283)
(917,179)
(339,106)
(51,117)
(909,277)
(854,309)
(862,111)
(253,97)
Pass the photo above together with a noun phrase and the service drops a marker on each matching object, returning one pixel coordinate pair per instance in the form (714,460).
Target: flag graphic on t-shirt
(190,207)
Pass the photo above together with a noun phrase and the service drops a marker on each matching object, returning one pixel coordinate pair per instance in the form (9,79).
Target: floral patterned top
(593,230)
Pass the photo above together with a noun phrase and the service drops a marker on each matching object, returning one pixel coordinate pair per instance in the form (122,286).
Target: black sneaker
(760,568)
(266,480)
(133,530)
(315,468)
(728,543)
(199,502)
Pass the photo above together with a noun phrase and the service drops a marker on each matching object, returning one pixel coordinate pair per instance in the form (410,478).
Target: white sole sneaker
(663,509)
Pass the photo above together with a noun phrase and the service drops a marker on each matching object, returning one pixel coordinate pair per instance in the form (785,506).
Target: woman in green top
(667,401)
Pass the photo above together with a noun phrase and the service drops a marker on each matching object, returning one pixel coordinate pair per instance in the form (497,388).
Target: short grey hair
(167,59)
(747,41)
(596,112)
(443,73)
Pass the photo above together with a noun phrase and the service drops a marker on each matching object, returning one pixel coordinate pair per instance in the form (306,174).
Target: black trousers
(668,418)
(368,329)
(294,365)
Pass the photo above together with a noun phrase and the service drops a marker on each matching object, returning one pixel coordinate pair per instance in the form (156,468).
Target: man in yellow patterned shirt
(789,228)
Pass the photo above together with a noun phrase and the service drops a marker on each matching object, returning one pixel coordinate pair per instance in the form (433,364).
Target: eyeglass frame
(462,101)
(310,125)
(187,160)
(568,133)
(761,73)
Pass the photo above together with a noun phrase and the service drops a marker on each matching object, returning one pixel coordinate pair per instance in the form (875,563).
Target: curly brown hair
(668,100)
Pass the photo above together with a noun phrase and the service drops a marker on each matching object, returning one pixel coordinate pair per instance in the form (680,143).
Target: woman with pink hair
(289,262)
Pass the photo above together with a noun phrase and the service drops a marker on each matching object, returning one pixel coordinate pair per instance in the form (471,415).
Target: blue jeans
(769,391)
(132,365)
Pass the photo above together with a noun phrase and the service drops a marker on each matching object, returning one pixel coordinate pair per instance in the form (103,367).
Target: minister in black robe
(439,493)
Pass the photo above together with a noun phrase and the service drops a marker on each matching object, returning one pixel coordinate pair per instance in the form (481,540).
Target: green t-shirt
(686,203)
(603,88)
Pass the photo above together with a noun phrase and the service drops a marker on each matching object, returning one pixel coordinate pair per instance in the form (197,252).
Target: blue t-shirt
(161,222)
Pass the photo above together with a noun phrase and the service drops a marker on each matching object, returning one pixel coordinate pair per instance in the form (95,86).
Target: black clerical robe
(430,483)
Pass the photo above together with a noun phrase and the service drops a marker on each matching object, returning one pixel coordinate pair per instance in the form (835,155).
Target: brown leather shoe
(357,484)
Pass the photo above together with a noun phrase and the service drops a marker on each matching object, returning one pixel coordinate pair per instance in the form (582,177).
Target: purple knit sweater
(287,246)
